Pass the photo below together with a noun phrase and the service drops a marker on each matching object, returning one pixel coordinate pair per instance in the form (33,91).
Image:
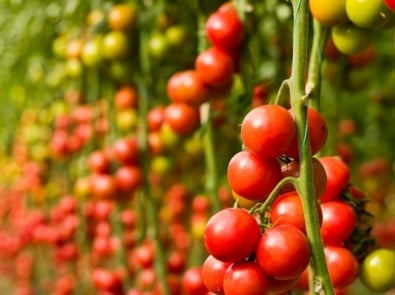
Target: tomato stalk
(299,103)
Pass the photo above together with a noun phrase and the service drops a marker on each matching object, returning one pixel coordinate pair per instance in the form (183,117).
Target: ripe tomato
(192,282)
(128,178)
(318,133)
(251,176)
(126,97)
(338,222)
(182,118)
(155,118)
(319,175)
(370,14)
(268,130)
(125,150)
(213,273)
(225,29)
(187,87)
(288,209)
(106,280)
(231,234)
(351,39)
(283,252)
(337,175)
(378,270)
(245,278)
(214,67)
(102,186)
(390,4)
(99,162)
(342,266)
(122,17)
(329,13)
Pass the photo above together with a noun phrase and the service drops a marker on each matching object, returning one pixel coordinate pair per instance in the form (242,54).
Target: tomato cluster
(353,23)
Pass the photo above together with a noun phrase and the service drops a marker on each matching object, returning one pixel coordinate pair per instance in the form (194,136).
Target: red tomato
(282,287)
(338,222)
(128,178)
(319,175)
(99,162)
(268,130)
(125,97)
(225,29)
(245,278)
(106,280)
(187,87)
(182,118)
(288,209)
(337,175)
(155,118)
(231,234)
(390,4)
(192,282)
(318,133)
(283,252)
(214,67)
(342,265)
(102,186)
(213,273)
(251,176)
(125,150)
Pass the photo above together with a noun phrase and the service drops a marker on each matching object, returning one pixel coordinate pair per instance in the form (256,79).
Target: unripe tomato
(378,270)
(231,234)
(122,17)
(329,13)
(268,130)
(92,52)
(251,176)
(370,14)
(115,45)
(157,45)
(351,39)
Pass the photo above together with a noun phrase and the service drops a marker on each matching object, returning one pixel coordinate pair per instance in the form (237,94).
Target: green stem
(299,102)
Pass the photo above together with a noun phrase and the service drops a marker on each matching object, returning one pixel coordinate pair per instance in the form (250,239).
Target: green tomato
(378,270)
(371,14)
(115,45)
(350,39)
(92,52)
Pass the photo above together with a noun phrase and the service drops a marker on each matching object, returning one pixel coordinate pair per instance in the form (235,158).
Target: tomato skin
(329,13)
(128,178)
(125,150)
(213,272)
(283,252)
(258,134)
(342,266)
(182,118)
(225,29)
(338,222)
(390,4)
(378,270)
(231,234)
(102,186)
(370,14)
(245,278)
(187,87)
(126,97)
(338,177)
(115,45)
(214,67)
(252,177)
(192,283)
(350,39)
(122,17)
(318,133)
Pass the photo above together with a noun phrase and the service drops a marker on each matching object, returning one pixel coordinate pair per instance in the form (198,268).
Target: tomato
(192,282)
(338,222)
(245,278)
(155,118)
(370,14)
(378,270)
(187,87)
(213,272)
(125,150)
(351,39)
(182,118)
(283,252)
(342,266)
(231,234)
(329,13)
(126,120)
(176,35)
(268,130)
(102,186)
(126,97)
(214,67)
(106,280)
(128,178)
(92,52)
(288,209)
(281,287)
(318,133)
(251,176)
(225,29)
(99,162)
(122,17)
(319,175)
(338,177)
(115,45)
(157,45)
(390,4)
(363,58)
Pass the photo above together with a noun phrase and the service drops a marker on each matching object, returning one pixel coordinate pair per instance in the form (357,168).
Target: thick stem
(301,45)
